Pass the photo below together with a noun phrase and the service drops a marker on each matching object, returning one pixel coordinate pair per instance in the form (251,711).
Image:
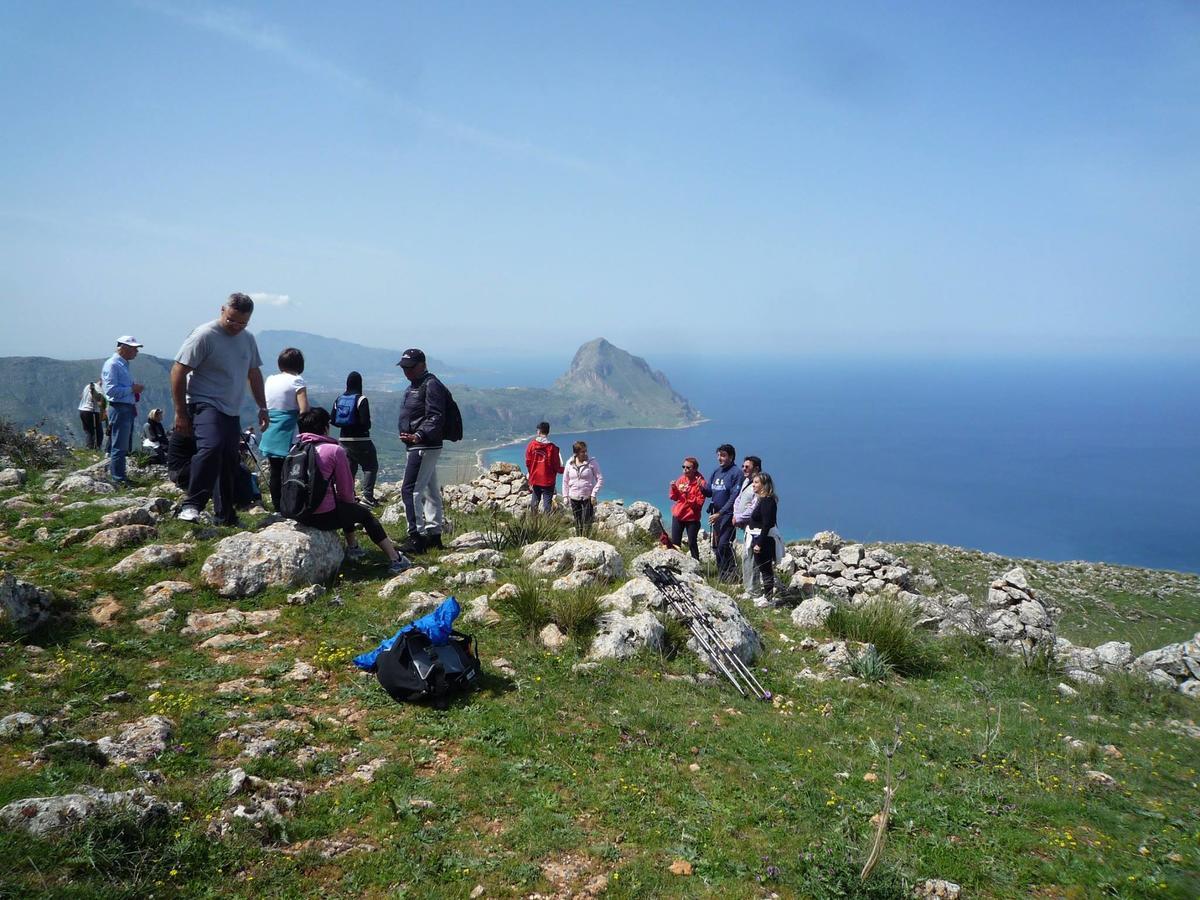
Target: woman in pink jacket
(688,493)
(581,485)
(340,508)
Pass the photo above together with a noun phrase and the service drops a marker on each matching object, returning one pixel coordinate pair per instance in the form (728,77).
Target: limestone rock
(283,554)
(23,606)
(579,555)
(254,686)
(158,622)
(131,515)
(138,742)
(306,596)
(471,540)
(812,614)
(473,558)
(478,577)
(84,483)
(43,815)
(300,672)
(105,610)
(20,723)
(403,580)
(552,638)
(206,623)
(851,554)
(619,636)
(677,562)
(636,593)
(480,613)
(153,555)
(225,641)
(506,591)
(12,477)
(938,889)
(161,593)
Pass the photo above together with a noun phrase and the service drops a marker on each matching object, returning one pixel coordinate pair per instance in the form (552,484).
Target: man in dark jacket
(723,486)
(422,425)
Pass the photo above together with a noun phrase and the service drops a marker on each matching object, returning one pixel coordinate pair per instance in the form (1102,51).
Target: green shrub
(30,449)
(871,665)
(675,635)
(576,612)
(529,608)
(891,627)
(512,534)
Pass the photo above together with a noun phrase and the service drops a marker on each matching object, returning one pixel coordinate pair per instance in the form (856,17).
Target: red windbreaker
(544,462)
(689,496)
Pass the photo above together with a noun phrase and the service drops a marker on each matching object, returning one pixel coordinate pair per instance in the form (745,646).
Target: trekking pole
(680,600)
(735,660)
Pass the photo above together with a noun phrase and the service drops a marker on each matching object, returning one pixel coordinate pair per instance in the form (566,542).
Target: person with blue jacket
(121,392)
(723,487)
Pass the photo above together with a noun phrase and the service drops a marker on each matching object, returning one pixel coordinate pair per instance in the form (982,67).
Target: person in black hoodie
(422,426)
(723,487)
(352,416)
(763,520)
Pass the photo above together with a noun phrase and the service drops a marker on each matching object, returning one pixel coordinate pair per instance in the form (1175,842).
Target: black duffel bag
(416,669)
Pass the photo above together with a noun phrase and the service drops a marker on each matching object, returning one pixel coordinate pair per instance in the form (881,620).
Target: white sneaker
(189,514)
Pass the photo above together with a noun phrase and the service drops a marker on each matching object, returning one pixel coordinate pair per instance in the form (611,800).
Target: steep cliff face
(602,374)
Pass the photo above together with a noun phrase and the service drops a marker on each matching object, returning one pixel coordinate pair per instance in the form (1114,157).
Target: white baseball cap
(128,340)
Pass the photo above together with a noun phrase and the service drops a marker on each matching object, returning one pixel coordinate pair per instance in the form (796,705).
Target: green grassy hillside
(554,781)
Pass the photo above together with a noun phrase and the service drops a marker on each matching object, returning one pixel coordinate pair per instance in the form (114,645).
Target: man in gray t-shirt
(208,383)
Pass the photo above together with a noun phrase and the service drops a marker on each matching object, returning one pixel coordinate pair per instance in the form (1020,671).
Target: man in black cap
(422,426)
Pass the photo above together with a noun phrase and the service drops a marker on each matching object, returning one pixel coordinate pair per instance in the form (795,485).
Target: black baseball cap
(411,357)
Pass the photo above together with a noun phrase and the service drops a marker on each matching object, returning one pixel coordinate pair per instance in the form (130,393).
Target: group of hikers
(219,359)
(737,498)
(211,372)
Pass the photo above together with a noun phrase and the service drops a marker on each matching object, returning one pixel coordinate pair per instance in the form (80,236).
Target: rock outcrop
(283,554)
(44,815)
(1016,618)
(502,487)
(23,606)
(577,561)
(1175,666)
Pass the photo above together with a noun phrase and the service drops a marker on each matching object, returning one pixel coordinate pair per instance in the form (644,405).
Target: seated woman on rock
(340,508)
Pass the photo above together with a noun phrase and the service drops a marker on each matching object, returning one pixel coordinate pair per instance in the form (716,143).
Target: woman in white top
(287,397)
(91,413)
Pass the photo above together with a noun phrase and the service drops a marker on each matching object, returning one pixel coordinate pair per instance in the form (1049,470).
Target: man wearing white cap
(119,390)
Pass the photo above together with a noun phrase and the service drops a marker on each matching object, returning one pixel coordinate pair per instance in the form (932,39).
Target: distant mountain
(605,387)
(603,376)
(327,360)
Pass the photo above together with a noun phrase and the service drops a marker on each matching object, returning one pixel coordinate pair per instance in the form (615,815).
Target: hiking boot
(401,563)
(414,543)
(370,501)
(433,542)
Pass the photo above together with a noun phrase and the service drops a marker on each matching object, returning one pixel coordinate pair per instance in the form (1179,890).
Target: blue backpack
(345,410)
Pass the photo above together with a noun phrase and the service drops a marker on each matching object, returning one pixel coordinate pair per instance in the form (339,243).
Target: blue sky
(491,179)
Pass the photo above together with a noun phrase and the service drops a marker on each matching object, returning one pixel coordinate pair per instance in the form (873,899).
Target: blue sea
(1079,460)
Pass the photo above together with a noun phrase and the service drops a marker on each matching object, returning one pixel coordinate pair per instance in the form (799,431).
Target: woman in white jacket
(581,485)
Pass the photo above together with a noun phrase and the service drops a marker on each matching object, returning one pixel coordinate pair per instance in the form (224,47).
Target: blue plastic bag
(436,626)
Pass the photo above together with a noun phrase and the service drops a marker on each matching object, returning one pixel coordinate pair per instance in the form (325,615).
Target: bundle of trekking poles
(682,603)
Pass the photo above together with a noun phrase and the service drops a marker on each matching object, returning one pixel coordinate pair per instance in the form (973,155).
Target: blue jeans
(120,417)
(541,496)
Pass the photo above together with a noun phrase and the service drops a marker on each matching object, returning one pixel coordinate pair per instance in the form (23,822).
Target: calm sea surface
(1095,461)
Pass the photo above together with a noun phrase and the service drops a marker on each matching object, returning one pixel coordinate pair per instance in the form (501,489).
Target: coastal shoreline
(482,450)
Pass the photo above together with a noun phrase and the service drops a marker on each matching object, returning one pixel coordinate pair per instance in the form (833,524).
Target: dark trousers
(678,527)
(363,454)
(764,564)
(723,534)
(584,512)
(215,465)
(542,496)
(276,464)
(93,429)
(345,516)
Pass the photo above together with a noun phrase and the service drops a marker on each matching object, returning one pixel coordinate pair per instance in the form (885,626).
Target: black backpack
(453,430)
(416,669)
(304,487)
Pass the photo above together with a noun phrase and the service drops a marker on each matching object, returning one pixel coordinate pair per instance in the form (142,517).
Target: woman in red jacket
(688,493)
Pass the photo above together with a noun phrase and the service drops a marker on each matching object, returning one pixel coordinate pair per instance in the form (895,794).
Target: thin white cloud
(238,26)
(272,299)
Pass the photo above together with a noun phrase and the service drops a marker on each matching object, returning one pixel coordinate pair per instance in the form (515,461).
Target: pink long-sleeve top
(335,467)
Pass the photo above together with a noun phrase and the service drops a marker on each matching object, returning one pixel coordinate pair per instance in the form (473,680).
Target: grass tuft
(891,627)
(529,608)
